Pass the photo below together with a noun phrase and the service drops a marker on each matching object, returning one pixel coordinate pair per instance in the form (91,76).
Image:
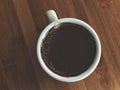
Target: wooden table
(21,22)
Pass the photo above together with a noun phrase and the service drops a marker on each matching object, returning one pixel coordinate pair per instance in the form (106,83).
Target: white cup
(53,19)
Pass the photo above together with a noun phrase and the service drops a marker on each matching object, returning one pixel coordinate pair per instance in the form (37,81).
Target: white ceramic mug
(53,21)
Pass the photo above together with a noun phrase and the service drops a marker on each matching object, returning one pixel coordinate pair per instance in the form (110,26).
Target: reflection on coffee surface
(68,49)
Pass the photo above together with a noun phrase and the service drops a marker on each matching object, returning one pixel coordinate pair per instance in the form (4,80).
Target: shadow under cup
(69,51)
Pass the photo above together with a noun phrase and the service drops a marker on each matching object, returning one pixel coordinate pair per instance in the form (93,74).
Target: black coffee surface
(68,49)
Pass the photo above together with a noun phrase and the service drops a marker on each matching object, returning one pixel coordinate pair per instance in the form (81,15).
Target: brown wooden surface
(21,22)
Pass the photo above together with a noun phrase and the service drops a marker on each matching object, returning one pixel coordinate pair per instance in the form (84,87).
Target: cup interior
(85,73)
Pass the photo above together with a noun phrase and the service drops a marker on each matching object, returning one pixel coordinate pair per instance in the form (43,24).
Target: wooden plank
(21,22)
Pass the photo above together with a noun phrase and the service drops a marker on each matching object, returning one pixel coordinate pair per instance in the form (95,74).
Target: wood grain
(21,22)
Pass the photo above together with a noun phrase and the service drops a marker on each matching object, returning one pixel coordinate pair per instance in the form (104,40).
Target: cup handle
(51,15)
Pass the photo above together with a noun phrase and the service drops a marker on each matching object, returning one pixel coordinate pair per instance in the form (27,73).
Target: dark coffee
(68,49)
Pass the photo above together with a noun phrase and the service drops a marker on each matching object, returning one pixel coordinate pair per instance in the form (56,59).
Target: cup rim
(85,73)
